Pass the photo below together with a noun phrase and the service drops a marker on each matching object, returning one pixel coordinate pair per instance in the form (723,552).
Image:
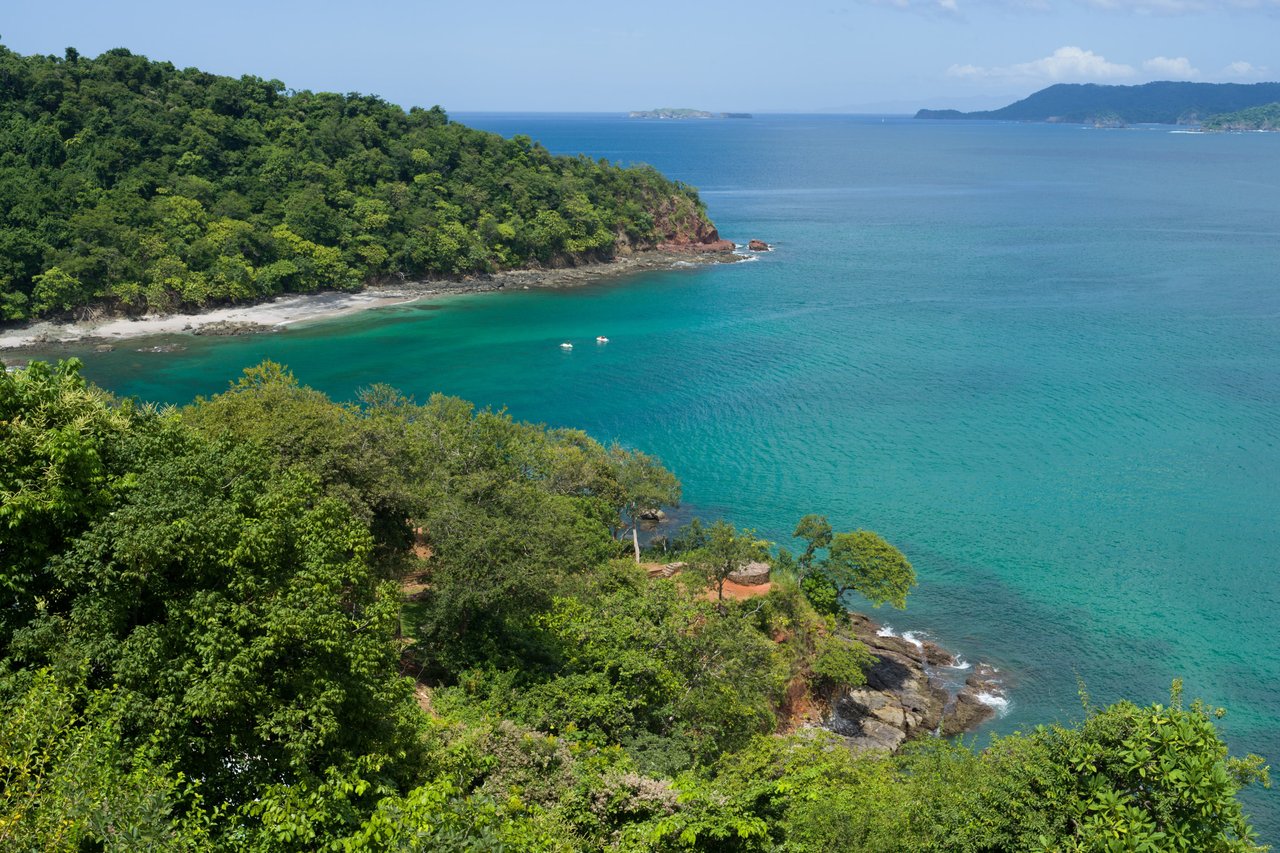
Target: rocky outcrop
(684,227)
(708,242)
(759,246)
(751,574)
(978,701)
(910,692)
(227,328)
(665,570)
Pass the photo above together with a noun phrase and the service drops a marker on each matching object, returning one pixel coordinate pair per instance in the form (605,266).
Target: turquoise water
(1043,360)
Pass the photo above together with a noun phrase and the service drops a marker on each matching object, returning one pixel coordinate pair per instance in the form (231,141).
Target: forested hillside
(272,622)
(1265,117)
(135,185)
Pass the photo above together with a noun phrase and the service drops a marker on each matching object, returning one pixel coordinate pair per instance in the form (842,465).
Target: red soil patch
(798,707)
(739,591)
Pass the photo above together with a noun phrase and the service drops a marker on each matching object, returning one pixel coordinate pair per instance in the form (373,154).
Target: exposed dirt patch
(414,585)
(738,592)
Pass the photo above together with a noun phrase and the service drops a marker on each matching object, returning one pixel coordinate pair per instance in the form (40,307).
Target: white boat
(601,339)
(566,345)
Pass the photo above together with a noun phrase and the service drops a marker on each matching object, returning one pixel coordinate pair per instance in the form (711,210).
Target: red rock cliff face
(682,226)
(702,238)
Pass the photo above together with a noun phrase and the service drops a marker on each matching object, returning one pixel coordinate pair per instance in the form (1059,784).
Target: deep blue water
(1043,360)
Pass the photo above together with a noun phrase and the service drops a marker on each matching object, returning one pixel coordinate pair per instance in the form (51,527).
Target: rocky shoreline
(278,313)
(912,691)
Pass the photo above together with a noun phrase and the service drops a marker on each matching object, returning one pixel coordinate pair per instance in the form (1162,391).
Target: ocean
(1043,360)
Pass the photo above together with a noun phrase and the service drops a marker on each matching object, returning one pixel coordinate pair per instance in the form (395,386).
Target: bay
(1043,360)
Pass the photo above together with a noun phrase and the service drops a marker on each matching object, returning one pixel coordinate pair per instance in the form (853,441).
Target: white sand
(279,312)
(285,310)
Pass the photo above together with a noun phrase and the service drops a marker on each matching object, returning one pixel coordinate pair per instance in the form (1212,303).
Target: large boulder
(751,574)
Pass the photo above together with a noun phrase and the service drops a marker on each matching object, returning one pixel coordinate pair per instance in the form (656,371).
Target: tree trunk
(635,540)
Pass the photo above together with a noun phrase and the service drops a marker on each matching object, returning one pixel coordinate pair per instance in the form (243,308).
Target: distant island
(682,113)
(1117,106)
(1265,117)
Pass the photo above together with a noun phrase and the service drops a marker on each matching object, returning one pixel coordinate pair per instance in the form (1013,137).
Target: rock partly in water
(981,698)
(904,697)
(234,327)
(759,246)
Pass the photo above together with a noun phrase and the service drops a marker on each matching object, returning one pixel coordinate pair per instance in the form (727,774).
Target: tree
(235,608)
(726,550)
(71,784)
(864,562)
(56,290)
(119,170)
(65,449)
(816,531)
(646,486)
(1157,777)
(861,561)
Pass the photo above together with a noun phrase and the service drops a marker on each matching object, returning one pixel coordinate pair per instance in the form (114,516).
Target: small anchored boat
(566,345)
(601,339)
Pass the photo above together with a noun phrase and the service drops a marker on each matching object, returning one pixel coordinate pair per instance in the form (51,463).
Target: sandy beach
(283,311)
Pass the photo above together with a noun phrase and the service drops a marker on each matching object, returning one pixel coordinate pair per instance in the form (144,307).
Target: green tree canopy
(864,562)
(861,561)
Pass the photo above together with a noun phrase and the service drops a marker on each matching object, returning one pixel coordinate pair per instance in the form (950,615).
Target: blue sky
(829,55)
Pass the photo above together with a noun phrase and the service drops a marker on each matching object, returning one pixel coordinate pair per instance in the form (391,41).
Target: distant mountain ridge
(1154,103)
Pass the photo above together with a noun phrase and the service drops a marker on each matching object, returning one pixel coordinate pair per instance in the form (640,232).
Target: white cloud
(950,7)
(1137,7)
(1163,7)
(1178,7)
(1065,63)
(1164,68)
(1240,68)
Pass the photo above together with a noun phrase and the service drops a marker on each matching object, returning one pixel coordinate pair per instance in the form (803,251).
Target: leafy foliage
(63,458)
(861,562)
(70,783)
(1264,117)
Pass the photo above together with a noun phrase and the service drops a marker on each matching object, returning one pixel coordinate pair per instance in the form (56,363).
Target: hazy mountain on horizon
(1164,102)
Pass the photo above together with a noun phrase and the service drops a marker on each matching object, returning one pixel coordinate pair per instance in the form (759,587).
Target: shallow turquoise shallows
(1043,360)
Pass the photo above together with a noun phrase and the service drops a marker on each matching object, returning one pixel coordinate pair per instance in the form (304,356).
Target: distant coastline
(1173,103)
